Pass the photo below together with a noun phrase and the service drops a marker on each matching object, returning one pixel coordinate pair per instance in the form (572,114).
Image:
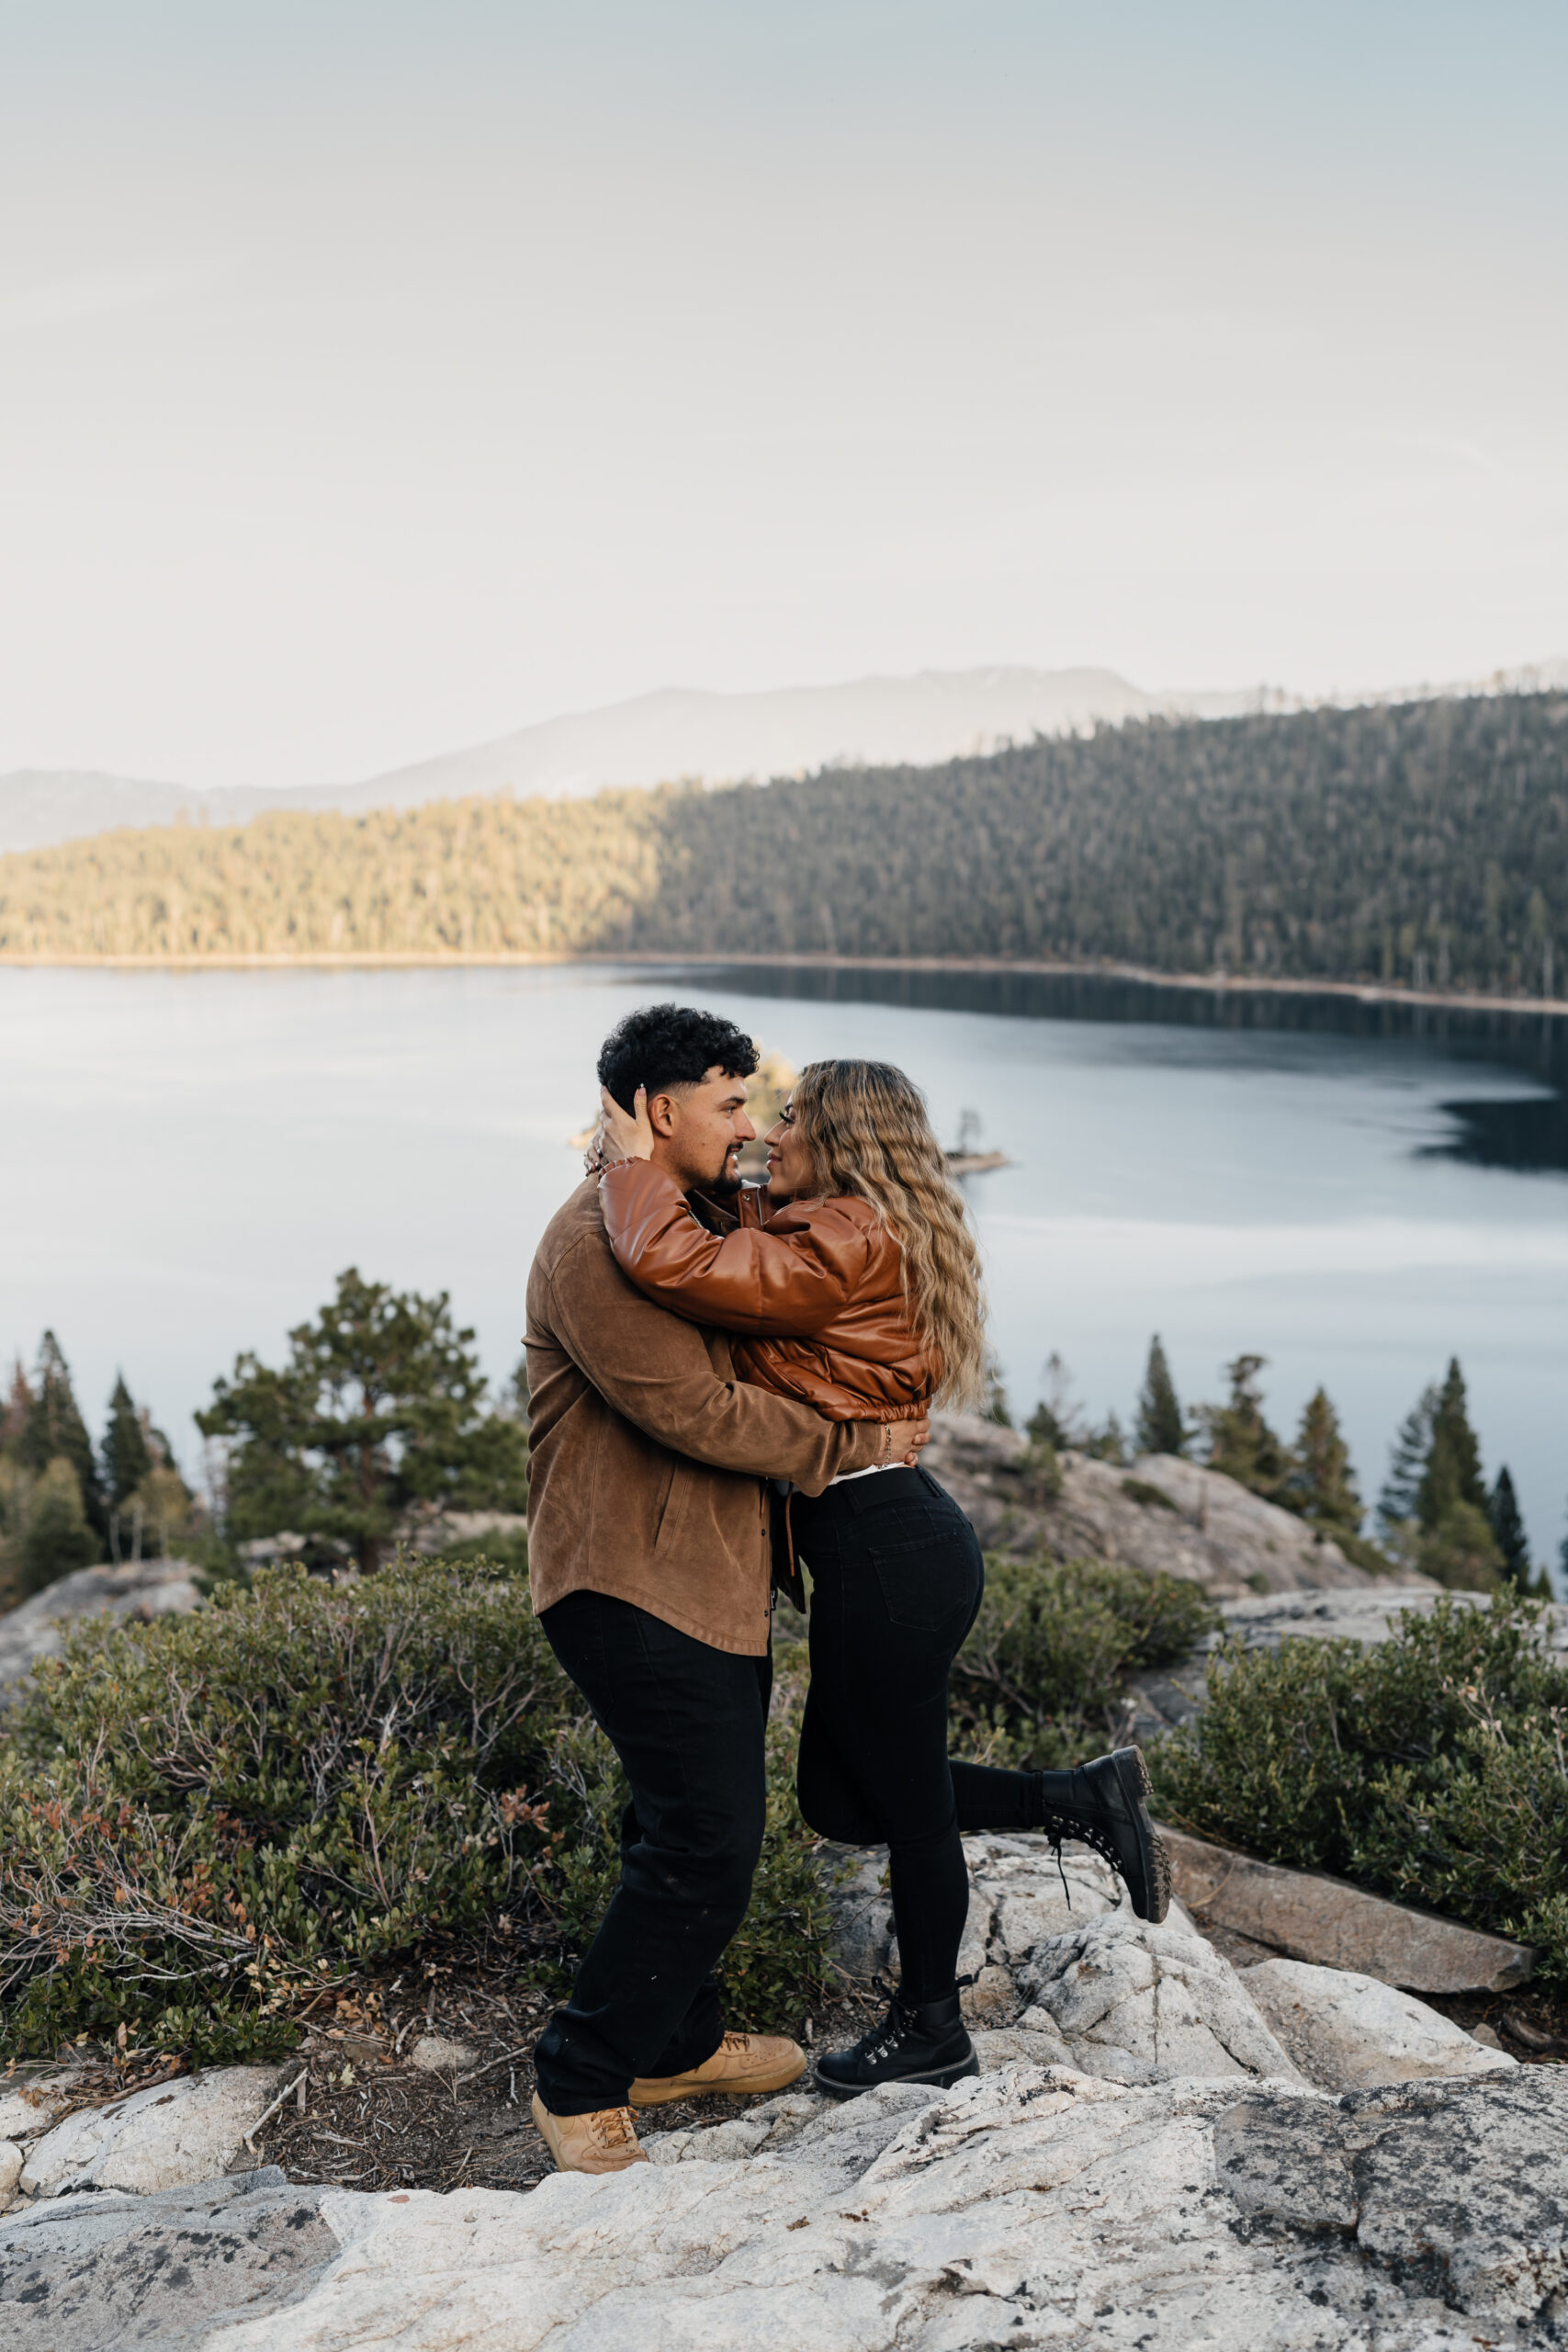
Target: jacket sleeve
(767,1284)
(653,1369)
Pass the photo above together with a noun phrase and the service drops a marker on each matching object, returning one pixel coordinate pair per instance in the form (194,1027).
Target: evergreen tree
(55,1431)
(1321,1484)
(1160,1428)
(1509,1528)
(1241,1443)
(127,1456)
(1452,1470)
(1057,1419)
(14,1419)
(380,1410)
(997,1397)
(55,1535)
(1408,1461)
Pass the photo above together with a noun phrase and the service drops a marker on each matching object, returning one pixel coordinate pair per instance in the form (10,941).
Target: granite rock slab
(1348,2032)
(1033,2208)
(1308,1915)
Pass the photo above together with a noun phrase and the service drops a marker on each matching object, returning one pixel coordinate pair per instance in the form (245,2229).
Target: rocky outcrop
(133,1591)
(170,2135)
(1163,1514)
(1349,2033)
(1033,2207)
(1310,1916)
(163,2272)
(1133,2003)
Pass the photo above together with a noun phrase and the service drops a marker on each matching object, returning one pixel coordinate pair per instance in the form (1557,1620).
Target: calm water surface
(189,1158)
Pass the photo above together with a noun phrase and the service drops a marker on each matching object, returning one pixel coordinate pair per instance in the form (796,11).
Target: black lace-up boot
(917,2041)
(1102,1805)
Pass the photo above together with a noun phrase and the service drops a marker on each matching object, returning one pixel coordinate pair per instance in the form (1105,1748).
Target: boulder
(11,2162)
(170,2135)
(36,1628)
(1031,2206)
(1308,1915)
(1140,2004)
(1347,2032)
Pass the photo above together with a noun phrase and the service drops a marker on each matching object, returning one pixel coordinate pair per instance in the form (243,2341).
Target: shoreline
(1202,983)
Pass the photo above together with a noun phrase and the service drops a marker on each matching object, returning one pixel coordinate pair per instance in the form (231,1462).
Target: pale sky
(376,379)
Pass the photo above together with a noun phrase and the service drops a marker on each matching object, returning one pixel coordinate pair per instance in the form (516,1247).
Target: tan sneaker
(602,2143)
(743,2062)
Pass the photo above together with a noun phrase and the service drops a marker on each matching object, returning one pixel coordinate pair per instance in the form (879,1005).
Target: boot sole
(1133,1775)
(655,2094)
(941,2076)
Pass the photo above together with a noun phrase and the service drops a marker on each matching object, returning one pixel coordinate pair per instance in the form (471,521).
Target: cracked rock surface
(1030,2208)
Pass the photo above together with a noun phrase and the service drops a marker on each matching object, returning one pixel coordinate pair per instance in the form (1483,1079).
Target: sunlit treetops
(1424,843)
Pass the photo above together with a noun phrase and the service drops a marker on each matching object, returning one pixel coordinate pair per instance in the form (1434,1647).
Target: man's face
(698,1132)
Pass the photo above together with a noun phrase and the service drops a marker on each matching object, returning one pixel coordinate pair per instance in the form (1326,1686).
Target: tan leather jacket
(813,1292)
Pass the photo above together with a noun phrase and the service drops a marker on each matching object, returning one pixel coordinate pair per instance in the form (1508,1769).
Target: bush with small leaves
(1430,1767)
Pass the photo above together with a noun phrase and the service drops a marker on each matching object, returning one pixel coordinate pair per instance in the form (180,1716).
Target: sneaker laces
(614,2129)
(735,2045)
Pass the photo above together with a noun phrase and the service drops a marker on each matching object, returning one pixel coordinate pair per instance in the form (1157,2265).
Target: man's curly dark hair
(660,1045)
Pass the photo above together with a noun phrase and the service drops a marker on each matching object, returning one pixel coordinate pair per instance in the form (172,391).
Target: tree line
(1424,843)
(379,1418)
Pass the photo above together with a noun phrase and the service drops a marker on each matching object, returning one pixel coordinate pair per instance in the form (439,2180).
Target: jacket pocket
(930,1581)
(672,1511)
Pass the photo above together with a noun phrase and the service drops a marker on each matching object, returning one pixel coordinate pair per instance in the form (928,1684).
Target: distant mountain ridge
(682,732)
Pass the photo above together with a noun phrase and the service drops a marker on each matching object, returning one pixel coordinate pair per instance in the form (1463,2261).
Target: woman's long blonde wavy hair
(867,1129)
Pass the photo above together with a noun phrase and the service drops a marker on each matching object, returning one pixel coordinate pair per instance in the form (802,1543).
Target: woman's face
(790,1172)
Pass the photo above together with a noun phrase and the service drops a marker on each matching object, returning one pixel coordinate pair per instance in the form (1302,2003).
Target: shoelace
(1086,1833)
(737,2045)
(614,2129)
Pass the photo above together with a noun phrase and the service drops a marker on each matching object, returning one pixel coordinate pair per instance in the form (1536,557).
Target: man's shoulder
(575,1236)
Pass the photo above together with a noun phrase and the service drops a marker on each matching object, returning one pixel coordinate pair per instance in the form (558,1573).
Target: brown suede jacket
(814,1292)
(648,1456)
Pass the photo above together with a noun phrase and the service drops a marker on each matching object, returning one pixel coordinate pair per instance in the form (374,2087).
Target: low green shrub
(1038,1681)
(1429,1766)
(201,1816)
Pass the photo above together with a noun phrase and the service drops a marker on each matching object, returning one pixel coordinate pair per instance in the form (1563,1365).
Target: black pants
(897,1580)
(687,1724)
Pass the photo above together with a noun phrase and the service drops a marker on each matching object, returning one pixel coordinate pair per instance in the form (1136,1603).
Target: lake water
(189,1158)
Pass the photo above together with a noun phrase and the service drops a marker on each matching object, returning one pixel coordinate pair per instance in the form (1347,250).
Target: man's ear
(663,1115)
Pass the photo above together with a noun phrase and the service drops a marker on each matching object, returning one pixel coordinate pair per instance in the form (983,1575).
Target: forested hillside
(1425,844)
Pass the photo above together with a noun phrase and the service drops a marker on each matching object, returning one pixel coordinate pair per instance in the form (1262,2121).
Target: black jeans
(897,1579)
(687,1724)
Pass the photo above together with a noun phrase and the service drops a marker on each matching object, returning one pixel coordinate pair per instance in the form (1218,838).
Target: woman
(853,1284)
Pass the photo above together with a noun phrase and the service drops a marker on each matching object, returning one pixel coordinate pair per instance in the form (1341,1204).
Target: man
(650,1558)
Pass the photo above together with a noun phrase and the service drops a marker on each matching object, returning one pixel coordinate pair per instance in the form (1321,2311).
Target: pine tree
(1508,1527)
(55,1431)
(379,1410)
(1453,1471)
(127,1456)
(1241,1444)
(1160,1428)
(997,1408)
(14,1419)
(1322,1485)
(1408,1461)
(55,1536)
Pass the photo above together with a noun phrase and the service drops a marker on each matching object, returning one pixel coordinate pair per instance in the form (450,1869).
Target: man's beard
(727,1182)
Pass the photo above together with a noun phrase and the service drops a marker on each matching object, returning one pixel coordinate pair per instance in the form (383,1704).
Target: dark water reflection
(1528,1134)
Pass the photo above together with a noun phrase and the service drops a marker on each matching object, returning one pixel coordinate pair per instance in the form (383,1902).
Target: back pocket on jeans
(930,1580)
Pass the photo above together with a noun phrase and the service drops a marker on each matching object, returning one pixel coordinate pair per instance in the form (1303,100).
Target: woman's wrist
(885,1457)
